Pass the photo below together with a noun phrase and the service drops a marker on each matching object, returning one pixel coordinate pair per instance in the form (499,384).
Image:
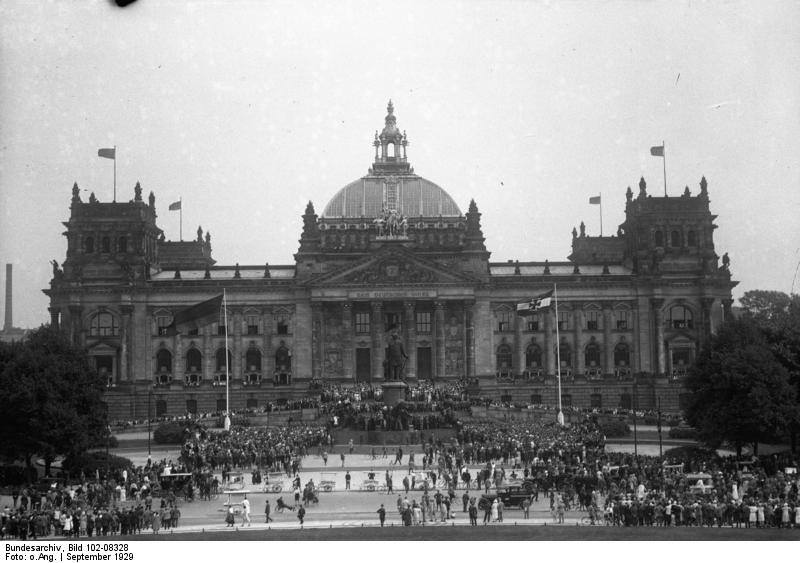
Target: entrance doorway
(363,365)
(424,363)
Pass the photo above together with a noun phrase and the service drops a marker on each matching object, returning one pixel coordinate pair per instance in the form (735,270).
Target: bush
(170,433)
(683,433)
(691,453)
(615,428)
(13,475)
(91,462)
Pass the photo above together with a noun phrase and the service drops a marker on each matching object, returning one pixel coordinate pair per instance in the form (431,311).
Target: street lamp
(149,416)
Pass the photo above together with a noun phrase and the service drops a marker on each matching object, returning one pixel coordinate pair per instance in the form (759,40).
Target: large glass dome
(410,195)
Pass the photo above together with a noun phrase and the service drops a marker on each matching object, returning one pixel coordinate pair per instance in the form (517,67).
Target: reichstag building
(392,252)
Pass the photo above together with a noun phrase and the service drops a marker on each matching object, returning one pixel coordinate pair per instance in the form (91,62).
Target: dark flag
(530,307)
(107,153)
(195,316)
(657,151)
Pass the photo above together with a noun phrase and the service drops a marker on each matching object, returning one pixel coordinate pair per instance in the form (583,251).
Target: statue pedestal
(394,392)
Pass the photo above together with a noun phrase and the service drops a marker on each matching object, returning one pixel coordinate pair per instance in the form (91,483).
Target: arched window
(390,150)
(565,352)
(191,406)
(122,244)
(220,357)
(88,245)
(680,317)
(194,360)
(105,244)
(504,358)
(659,238)
(592,355)
(533,357)
(622,355)
(676,239)
(103,324)
(692,238)
(253,359)
(164,361)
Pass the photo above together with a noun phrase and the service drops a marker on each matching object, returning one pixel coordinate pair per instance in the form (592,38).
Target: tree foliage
(50,396)
(740,392)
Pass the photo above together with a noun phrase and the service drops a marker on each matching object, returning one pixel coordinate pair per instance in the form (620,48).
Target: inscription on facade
(396,294)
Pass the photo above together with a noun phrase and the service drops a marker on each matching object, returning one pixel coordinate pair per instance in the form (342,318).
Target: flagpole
(558,359)
(664,156)
(227,375)
(115,173)
(180,232)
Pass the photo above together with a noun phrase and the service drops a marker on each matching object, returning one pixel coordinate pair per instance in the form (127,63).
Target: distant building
(393,252)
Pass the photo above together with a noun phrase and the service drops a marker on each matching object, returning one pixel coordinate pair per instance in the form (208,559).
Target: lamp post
(635,434)
(149,416)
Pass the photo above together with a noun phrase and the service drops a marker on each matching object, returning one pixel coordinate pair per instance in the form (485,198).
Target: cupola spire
(390,147)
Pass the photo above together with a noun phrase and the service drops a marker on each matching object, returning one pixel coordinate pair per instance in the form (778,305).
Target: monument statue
(396,357)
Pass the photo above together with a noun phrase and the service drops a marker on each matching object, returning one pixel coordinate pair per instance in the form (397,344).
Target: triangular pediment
(389,268)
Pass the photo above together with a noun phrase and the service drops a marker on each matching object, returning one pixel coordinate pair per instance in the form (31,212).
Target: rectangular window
(592,320)
(162,323)
(622,318)
(505,321)
(563,320)
(252,325)
(596,401)
(193,332)
(533,323)
(281,324)
(362,323)
(536,399)
(423,322)
(566,400)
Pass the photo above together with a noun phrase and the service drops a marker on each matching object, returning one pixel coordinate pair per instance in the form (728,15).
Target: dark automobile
(512,496)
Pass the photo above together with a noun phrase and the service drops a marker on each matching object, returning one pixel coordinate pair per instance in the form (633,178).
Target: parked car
(512,496)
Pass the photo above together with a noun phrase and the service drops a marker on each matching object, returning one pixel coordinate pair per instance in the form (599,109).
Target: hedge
(615,428)
(683,433)
(14,475)
(170,433)
(91,462)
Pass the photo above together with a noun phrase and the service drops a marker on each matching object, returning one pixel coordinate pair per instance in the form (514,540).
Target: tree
(778,316)
(51,399)
(740,393)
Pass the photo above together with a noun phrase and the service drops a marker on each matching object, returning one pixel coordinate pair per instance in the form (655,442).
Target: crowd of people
(567,466)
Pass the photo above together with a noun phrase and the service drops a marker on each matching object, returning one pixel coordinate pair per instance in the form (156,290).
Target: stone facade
(392,252)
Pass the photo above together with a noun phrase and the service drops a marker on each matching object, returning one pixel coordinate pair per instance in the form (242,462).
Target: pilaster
(438,316)
(409,307)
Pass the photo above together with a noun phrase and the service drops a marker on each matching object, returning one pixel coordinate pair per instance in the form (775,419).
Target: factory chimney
(8,325)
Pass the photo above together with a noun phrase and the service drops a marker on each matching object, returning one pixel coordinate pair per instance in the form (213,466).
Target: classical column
(726,310)
(469,335)
(549,352)
(579,357)
(55,313)
(438,317)
(411,339)
(348,368)
(236,351)
(208,354)
(75,324)
(268,357)
(608,356)
(376,330)
(124,337)
(705,306)
(519,351)
(660,363)
(317,340)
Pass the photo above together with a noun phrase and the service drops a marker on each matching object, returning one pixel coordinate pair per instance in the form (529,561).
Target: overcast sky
(248,110)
